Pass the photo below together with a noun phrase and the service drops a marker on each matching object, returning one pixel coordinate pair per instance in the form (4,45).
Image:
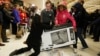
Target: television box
(57,38)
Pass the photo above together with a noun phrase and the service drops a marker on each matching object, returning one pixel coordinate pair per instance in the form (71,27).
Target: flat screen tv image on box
(59,37)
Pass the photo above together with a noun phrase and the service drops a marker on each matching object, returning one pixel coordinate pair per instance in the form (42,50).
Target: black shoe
(99,54)
(96,40)
(5,41)
(2,44)
(13,53)
(33,54)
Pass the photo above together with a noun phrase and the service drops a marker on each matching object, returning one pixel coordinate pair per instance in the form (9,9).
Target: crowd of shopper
(14,15)
(21,18)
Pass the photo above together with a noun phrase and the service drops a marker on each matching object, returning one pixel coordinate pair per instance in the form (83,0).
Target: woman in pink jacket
(63,16)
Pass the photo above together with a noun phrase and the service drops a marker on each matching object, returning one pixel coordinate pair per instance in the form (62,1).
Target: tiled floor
(94,48)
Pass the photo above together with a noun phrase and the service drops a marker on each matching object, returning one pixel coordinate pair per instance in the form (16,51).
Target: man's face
(48,6)
(1,1)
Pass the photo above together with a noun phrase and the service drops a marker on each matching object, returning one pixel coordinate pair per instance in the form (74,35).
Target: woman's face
(61,8)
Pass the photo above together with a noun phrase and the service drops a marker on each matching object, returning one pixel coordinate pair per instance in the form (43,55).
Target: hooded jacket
(63,16)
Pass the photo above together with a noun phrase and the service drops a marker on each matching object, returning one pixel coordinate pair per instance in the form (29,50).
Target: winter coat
(81,16)
(63,16)
(6,18)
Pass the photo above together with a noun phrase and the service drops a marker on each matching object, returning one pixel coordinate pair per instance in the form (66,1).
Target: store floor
(94,48)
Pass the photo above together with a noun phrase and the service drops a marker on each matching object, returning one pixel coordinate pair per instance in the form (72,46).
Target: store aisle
(94,48)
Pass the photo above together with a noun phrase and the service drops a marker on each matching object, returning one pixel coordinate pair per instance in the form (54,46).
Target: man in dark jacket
(48,16)
(34,38)
(79,17)
(6,21)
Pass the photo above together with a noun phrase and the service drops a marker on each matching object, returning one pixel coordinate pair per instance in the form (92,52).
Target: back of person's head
(37,19)
(33,9)
(81,1)
(16,5)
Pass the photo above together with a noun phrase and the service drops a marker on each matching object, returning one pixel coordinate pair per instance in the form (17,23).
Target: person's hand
(11,20)
(75,30)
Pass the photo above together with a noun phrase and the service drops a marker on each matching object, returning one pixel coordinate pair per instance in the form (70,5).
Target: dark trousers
(3,35)
(35,47)
(85,30)
(78,34)
(14,28)
(91,30)
(97,33)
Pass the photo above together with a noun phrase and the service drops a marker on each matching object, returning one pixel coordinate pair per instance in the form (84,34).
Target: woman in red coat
(63,16)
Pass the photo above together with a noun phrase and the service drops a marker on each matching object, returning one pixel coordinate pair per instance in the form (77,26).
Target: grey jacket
(47,16)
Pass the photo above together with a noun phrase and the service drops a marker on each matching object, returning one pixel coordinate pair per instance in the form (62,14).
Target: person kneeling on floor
(34,38)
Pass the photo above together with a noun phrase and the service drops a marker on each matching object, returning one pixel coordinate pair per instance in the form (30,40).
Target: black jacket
(6,18)
(80,15)
(96,22)
(34,37)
